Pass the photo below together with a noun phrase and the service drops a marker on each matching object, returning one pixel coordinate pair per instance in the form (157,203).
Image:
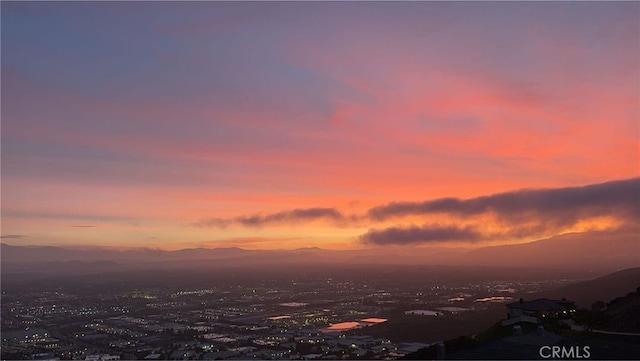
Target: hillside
(597,251)
(604,288)
(622,315)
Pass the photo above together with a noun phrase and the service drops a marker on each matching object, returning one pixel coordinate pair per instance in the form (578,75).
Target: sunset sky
(338,125)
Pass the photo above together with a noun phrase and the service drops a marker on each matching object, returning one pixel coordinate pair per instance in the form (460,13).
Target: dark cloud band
(522,213)
(424,234)
(617,198)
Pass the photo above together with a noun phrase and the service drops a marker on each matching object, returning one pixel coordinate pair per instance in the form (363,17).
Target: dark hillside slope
(604,288)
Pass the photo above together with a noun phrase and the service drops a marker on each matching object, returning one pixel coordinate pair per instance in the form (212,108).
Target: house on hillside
(541,308)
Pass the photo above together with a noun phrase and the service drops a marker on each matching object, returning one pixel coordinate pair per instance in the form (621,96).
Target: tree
(598,306)
(585,318)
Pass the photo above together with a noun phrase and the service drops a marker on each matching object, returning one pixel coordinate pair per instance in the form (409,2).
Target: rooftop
(542,304)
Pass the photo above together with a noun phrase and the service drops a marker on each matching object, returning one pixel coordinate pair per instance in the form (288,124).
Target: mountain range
(595,252)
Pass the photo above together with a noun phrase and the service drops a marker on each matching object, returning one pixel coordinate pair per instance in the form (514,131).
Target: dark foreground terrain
(322,311)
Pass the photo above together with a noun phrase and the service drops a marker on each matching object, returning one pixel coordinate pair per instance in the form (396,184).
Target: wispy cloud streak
(293,216)
(514,215)
(618,198)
